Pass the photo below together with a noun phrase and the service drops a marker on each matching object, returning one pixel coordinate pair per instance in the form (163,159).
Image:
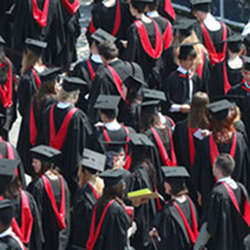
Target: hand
(185,108)
(139,201)
(154,234)
(124,43)
(205,132)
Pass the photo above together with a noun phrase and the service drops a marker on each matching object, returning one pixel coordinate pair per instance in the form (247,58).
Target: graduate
(91,187)
(52,195)
(210,31)
(8,239)
(226,220)
(223,139)
(240,94)
(145,45)
(158,131)
(182,84)
(189,132)
(7,91)
(66,128)
(32,65)
(26,223)
(109,221)
(31,131)
(176,226)
(227,73)
(110,77)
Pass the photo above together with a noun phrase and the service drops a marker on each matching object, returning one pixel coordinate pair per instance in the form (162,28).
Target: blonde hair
(29,60)
(199,49)
(71,96)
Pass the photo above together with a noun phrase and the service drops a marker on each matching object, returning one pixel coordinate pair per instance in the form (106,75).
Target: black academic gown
(9,242)
(113,233)
(74,143)
(202,175)
(243,101)
(171,228)
(54,237)
(225,224)
(176,88)
(31,131)
(223,78)
(82,209)
(135,52)
(36,238)
(104,83)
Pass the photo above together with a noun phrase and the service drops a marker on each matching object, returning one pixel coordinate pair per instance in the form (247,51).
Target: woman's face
(37,165)
(132,10)
(167,188)
(57,87)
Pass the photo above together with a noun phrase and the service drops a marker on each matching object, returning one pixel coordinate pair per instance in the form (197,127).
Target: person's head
(94,48)
(187,56)
(246,69)
(85,174)
(137,8)
(6,214)
(152,6)
(198,115)
(108,51)
(200,8)
(223,166)
(175,180)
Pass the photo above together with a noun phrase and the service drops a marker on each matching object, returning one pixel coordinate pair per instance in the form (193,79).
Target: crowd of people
(142,146)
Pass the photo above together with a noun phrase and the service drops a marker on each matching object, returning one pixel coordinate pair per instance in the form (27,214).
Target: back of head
(178,186)
(140,6)
(225,163)
(108,50)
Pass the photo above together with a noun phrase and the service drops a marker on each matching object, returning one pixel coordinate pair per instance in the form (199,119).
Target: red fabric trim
(92,28)
(215,57)
(146,44)
(246,215)
(71,7)
(91,70)
(93,235)
(117,19)
(163,152)
(37,79)
(168,7)
(60,215)
(245,88)
(117,81)
(167,36)
(57,140)
(191,145)
(214,149)
(227,84)
(94,191)
(40,16)
(193,234)
(24,232)
(6,91)
(32,123)
(199,68)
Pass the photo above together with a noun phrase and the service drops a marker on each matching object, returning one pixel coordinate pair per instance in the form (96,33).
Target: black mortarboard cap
(93,160)
(184,26)
(137,139)
(110,102)
(234,42)
(153,94)
(112,177)
(2,41)
(144,1)
(7,172)
(35,45)
(45,153)
(175,172)
(101,36)
(219,110)
(150,106)
(186,49)
(50,74)
(246,62)
(202,5)
(6,211)
(73,83)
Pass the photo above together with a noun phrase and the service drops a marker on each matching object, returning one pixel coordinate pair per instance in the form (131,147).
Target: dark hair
(187,52)
(6,217)
(108,50)
(12,190)
(198,115)
(47,166)
(225,163)
(235,47)
(110,113)
(139,6)
(147,120)
(153,6)
(178,186)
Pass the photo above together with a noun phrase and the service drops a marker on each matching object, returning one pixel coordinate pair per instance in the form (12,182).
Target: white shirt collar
(182,70)
(63,105)
(114,125)
(229,181)
(6,233)
(246,85)
(211,23)
(153,13)
(96,58)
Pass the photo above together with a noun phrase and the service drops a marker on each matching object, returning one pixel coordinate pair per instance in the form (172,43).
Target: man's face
(188,63)
(198,14)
